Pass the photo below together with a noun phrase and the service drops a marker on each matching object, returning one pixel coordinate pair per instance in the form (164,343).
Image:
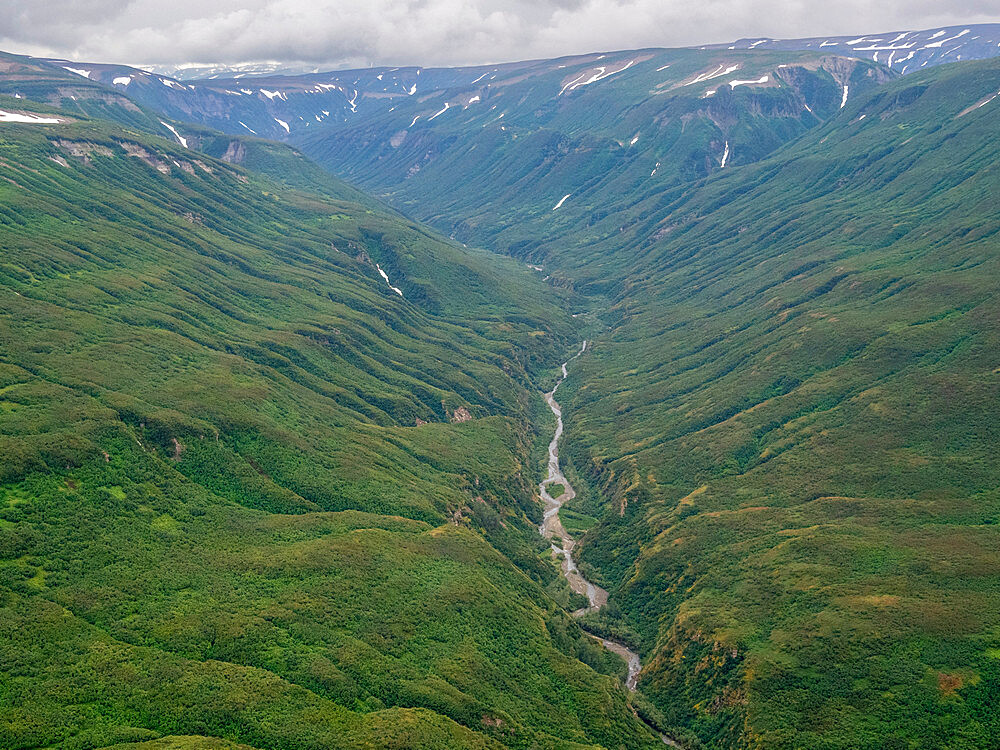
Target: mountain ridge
(907,51)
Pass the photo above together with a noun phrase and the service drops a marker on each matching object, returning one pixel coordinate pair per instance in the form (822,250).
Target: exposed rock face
(461,414)
(235,154)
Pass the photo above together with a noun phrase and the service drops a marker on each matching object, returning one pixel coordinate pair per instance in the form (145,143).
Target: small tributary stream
(563,544)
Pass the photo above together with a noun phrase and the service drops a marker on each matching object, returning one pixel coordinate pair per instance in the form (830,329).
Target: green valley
(243,476)
(274,461)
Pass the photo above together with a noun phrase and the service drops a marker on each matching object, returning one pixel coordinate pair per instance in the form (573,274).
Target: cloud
(434,32)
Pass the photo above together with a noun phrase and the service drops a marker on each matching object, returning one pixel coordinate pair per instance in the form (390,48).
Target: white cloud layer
(434,32)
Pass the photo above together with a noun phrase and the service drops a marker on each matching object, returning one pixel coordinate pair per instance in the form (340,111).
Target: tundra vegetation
(250,495)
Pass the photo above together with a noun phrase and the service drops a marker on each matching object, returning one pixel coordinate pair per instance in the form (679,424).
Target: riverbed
(563,544)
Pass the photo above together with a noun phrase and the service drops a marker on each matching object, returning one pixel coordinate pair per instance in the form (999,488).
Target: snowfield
(28,119)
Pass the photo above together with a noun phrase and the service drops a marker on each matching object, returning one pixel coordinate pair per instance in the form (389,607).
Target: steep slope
(793,418)
(512,161)
(902,51)
(247,485)
(76,91)
(514,155)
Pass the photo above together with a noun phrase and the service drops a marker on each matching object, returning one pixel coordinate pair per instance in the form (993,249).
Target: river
(563,543)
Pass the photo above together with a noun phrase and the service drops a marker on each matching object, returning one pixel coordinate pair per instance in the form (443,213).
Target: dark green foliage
(794,416)
(788,428)
(249,494)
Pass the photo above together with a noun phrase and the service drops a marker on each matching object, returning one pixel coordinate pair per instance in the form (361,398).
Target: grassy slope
(38,81)
(795,415)
(495,181)
(218,517)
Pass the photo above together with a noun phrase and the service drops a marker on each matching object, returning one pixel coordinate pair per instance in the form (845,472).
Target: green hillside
(251,495)
(521,162)
(270,449)
(58,86)
(793,417)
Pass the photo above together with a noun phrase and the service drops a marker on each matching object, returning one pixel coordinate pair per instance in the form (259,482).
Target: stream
(553,530)
(563,544)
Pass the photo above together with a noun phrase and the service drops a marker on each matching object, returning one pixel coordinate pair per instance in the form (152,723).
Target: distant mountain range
(197,71)
(903,51)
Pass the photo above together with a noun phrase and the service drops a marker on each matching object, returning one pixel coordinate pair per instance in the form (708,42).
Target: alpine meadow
(608,400)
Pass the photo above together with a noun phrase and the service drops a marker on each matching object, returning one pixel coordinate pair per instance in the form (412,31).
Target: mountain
(579,133)
(902,51)
(195,71)
(788,425)
(580,137)
(781,431)
(289,107)
(73,90)
(268,465)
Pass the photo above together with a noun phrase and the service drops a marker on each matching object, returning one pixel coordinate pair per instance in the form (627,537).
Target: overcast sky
(434,32)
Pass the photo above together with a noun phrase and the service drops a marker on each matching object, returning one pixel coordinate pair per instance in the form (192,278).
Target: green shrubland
(250,495)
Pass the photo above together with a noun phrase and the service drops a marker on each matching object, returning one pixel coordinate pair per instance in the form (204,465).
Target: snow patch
(180,139)
(762,79)
(78,71)
(414,121)
(843,101)
(722,70)
(601,73)
(248,127)
(385,276)
(943,42)
(439,112)
(27,119)
(725,156)
(283,124)
(978,105)
(561,201)
(122,81)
